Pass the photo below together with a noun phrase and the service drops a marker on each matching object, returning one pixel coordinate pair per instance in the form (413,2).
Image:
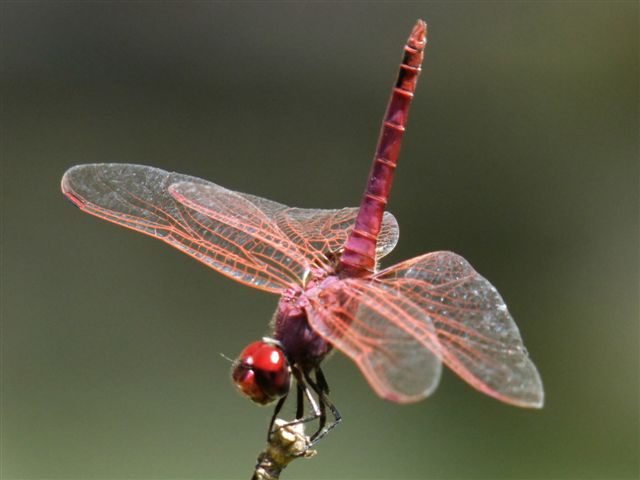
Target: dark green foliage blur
(521,155)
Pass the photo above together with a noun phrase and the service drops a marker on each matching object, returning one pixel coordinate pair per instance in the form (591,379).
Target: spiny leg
(324,387)
(276,411)
(322,381)
(321,388)
(299,401)
(303,391)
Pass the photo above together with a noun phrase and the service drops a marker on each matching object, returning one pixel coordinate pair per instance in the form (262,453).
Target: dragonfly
(399,324)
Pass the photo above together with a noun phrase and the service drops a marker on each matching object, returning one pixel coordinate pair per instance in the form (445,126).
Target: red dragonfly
(399,324)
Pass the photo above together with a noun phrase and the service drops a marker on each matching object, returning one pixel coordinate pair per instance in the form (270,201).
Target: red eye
(262,372)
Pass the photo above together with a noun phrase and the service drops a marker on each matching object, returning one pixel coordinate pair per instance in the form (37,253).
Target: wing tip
(535,402)
(65,187)
(532,396)
(536,397)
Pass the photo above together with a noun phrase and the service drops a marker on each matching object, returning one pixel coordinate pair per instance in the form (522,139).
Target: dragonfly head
(262,371)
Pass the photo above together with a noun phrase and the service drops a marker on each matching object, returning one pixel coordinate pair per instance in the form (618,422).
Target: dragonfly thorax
(302,345)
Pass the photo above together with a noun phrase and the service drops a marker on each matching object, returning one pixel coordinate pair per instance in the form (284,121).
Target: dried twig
(286,443)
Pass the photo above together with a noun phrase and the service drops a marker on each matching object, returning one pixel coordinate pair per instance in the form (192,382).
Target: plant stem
(286,443)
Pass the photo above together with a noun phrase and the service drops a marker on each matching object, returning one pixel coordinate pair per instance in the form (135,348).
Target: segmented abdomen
(358,257)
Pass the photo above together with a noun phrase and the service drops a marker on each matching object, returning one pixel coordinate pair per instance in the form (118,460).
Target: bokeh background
(521,155)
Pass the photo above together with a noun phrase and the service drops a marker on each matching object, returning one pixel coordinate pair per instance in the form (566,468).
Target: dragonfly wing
(389,337)
(388,236)
(478,338)
(325,232)
(141,198)
(247,221)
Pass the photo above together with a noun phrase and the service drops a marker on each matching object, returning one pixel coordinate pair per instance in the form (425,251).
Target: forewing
(388,336)
(326,231)
(249,221)
(478,338)
(238,241)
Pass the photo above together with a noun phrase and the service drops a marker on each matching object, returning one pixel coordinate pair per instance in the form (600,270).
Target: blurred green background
(521,155)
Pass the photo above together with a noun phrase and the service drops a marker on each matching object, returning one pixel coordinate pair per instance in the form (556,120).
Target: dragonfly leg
(299,401)
(303,391)
(322,381)
(321,388)
(276,411)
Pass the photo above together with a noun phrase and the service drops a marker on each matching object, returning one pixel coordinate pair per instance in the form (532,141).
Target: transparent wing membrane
(478,338)
(389,337)
(399,324)
(138,197)
(253,240)
(328,230)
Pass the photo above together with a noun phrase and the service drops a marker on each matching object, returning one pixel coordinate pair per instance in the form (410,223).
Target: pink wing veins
(435,303)
(255,241)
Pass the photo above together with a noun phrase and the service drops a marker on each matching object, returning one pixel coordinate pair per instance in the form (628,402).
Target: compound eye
(262,372)
(245,379)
